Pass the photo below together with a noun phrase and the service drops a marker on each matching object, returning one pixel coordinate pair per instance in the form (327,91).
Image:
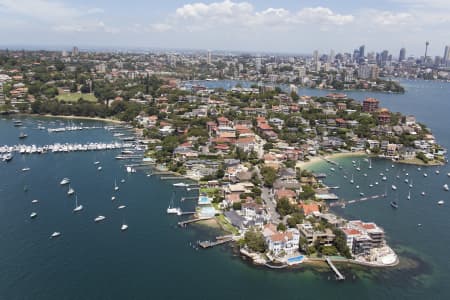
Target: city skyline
(248,26)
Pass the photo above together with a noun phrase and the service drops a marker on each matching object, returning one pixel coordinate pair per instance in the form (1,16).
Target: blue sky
(258,26)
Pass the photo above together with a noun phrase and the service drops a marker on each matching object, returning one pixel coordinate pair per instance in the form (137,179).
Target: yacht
(376,182)
(124,227)
(34,201)
(8,157)
(116,188)
(181,184)
(437,172)
(351,180)
(425,174)
(423,193)
(123,180)
(173,210)
(333,169)
(394,187)
(446,187)
(99,168)
(361,194)
(99,219)
(55,234)
(440,202)
(121,206)
(77,207)
(26,169)
(358,168)
(448,174)
(370,164)
(384,178)
(71,191)
(64,181)
(33,215)
(406,180)
(357,186)
(113,198)
(409,195)
(365,174)
(22,135)
(411,184)
(96,162)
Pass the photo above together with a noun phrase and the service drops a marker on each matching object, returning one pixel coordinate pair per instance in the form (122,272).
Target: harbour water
(154,258)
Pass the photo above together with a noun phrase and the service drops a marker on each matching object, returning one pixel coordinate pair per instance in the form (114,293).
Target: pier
(209,244)
(341,203)
(184,223)
(339,276)
(62,148)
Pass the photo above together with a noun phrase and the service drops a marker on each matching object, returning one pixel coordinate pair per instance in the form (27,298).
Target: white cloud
(388,18)
(202,16)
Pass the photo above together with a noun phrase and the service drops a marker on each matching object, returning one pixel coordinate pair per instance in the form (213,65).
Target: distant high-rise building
(356,54)
(258,63)
(362,50)
(209,57)
(402,55)
(447,55)
(331,57)
(315,56)
(384,56)
(75,51)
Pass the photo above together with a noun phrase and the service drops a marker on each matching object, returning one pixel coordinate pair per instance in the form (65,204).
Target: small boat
(77,207)
(26,169)
(376,182)
(96,162)
(381,174)
(365,174)
(64,181)
(351,180)
(406,180)
(71,191)
(409,195)
(440,202)
(411,184)
(425,174)
(113,198)
(418,169)
(446,187)
(332,169)
(121,206)
(124,227)
(55,234)
(419,225)
(34,201)
(370,185)
(394,204)
(181,184)
(99,219)
(437,172)
(357,186)
(99,168)
(23,135)
(173,210)
(123,180)
(116,188)
(8,157)
(370,164)
(423,193)
(394,187)
(448,174)
(361,194)
(33,215)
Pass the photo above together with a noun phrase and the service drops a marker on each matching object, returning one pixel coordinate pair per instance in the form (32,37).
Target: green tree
(255,241)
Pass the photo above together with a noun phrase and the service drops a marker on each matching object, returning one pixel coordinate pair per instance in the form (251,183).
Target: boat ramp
(339,276)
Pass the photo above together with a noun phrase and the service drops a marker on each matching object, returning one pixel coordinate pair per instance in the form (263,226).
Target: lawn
(73,97)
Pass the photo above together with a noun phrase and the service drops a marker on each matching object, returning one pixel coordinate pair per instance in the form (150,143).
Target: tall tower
(426,49)
(209,57)
(446,55)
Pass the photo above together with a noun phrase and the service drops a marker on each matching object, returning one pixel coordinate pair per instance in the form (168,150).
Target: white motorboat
(446,187)
(33,215)
(113,198)
(351,180)
(440,202)
(124,227)
(411,184)
(116,188)
(448,174)
(394,187)
(26,169)
(181,184)
(409,195)
(121,206)
(173,210)
(123,181)
(437,172)
(99,168)
(55,234)
(65,181)
(423,193)
(96,162)
(406,180)
(376,182)
(370,185)
(384,178)
(99,219)
(34,201)
(425,174)
(357,186)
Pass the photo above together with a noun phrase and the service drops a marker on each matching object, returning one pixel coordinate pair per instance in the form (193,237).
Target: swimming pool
(295,260)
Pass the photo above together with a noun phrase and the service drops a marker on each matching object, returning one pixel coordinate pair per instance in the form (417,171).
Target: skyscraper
(209,57)
(446,57)
(402,55)
(362,49)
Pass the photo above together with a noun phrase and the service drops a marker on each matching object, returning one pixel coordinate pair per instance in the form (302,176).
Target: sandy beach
(316,159)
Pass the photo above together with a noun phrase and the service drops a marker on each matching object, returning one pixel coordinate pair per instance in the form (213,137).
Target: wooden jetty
(340,203)
(209,244)
(339,276)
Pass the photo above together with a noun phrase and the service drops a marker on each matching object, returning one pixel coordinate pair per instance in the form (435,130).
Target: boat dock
(188,198)
(339,276)
(184,223)
(209,244)
(63,148)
